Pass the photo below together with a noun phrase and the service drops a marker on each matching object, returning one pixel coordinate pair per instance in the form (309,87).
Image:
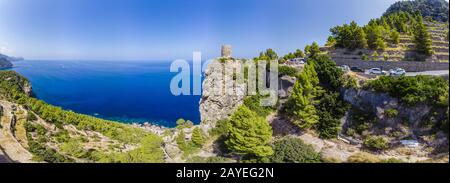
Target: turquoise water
(129,91)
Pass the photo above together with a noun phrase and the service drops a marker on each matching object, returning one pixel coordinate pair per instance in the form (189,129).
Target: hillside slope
(46,133)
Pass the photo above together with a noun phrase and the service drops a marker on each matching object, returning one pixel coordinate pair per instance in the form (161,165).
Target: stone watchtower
(226,51)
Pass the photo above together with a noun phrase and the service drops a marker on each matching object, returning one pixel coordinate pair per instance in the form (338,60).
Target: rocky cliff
(216,102)
(378,103)
(413,117)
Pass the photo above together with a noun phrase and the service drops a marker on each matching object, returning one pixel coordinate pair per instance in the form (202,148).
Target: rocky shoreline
(156,129)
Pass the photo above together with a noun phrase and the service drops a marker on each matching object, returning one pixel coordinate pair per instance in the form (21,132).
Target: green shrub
(42,153)
(392,160)
(364,57)
(376,143)
(221,129)
(31,117)
(29,127)
(363,157)
(40,130)
(72,147)
(254,104)
(350,132)
(391,113)
(287,71)
(294,150)
(181,123)
(62,136)
(198,138)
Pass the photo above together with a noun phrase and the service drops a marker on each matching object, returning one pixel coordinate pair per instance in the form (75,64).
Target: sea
(124,91)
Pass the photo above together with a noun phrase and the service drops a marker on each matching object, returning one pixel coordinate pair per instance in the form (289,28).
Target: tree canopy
(249,134)
(436,9)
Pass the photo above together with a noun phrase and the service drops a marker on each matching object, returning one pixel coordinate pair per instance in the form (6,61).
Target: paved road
(430,73)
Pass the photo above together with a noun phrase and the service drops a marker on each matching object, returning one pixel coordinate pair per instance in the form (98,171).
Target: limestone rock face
(220,99)
(378,103)
(28,89)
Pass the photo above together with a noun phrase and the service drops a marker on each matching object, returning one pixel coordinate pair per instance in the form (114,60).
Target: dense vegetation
(436,9)
(315,101)
(287,71)
(297,54)
(413,90)
(267,55)
(379,33)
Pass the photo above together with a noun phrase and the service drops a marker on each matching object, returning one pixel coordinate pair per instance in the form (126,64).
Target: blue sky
(170,29)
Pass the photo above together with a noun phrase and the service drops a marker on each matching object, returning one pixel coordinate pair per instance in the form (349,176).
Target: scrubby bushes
(376,143)
(360,121)
(363,157)
(287,71)
(294,150)
(149,152)
(254,104)
(413,90)
(391,113)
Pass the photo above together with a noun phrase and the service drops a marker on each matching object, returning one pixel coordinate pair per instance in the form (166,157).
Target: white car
(377,71)
(344,68)
(397,72)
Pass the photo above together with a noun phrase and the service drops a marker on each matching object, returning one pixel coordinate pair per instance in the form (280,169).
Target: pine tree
(394,37)
(422,39)
(375,56)
(181,139)
(249,134)
(307,50)
(330,41)
(299,54)
(359,36)
(314,50)
(197,137)
(375,37)
(301,102)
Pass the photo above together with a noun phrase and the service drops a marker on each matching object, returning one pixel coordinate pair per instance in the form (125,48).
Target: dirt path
(11,147)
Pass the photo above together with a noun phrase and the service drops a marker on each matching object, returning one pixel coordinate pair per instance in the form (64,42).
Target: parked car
(356,69)
(345,68)
(298,60)
(397,72)
(377,71)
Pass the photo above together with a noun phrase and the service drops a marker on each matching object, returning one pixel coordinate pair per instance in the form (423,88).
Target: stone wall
(409,66)
(226,51)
